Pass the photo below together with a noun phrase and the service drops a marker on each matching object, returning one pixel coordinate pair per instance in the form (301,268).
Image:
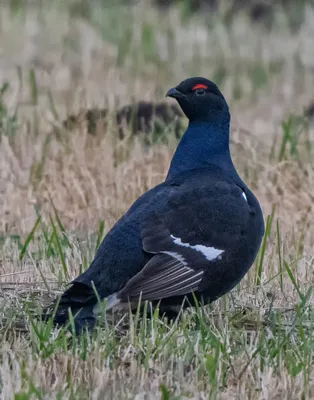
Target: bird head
(200,100)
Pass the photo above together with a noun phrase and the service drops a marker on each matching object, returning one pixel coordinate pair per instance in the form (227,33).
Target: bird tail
(78,301)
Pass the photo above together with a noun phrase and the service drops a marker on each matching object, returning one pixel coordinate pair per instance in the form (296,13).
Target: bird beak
(174,92)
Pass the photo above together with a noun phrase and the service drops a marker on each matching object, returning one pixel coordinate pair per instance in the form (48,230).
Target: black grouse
(195,234)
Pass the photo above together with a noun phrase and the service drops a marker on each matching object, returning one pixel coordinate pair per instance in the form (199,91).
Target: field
(61,191)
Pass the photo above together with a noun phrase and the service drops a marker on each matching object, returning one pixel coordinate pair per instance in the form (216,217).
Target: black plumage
(196,234)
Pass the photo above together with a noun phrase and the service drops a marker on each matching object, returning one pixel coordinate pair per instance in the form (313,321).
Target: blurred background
(70,68)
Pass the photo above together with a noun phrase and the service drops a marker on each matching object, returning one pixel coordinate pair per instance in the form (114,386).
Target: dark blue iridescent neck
(204,143)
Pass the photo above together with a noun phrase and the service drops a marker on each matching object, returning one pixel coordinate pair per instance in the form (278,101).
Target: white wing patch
(244,196)
(209,252)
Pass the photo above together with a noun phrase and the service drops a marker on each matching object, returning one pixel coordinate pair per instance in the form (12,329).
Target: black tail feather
(79,301)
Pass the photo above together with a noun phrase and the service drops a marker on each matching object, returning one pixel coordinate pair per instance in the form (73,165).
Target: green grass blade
(29,238)
(269,223)
(279,256)
(286,128)
(60,225)
(60,251)
(100,233)
(165,395)
(293,280)
(33,86)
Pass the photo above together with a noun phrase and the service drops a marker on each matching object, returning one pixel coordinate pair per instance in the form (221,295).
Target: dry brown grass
(90,179)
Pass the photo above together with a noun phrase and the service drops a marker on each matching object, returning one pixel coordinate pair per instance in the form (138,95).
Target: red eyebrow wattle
(199,86)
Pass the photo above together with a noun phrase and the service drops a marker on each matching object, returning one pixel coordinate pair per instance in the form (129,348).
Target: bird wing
(163,276)
(187,238)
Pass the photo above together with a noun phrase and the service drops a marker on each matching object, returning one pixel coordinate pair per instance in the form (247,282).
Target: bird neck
(203,144)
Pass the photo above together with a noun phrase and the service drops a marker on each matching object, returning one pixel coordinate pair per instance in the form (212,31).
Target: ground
(62,191)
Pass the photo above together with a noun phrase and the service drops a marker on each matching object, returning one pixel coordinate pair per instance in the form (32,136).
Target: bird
(191,238)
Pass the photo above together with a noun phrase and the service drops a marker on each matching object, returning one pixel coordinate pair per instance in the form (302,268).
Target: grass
(60,194)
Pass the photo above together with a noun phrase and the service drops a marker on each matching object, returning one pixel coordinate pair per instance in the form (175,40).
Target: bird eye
(200,92)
